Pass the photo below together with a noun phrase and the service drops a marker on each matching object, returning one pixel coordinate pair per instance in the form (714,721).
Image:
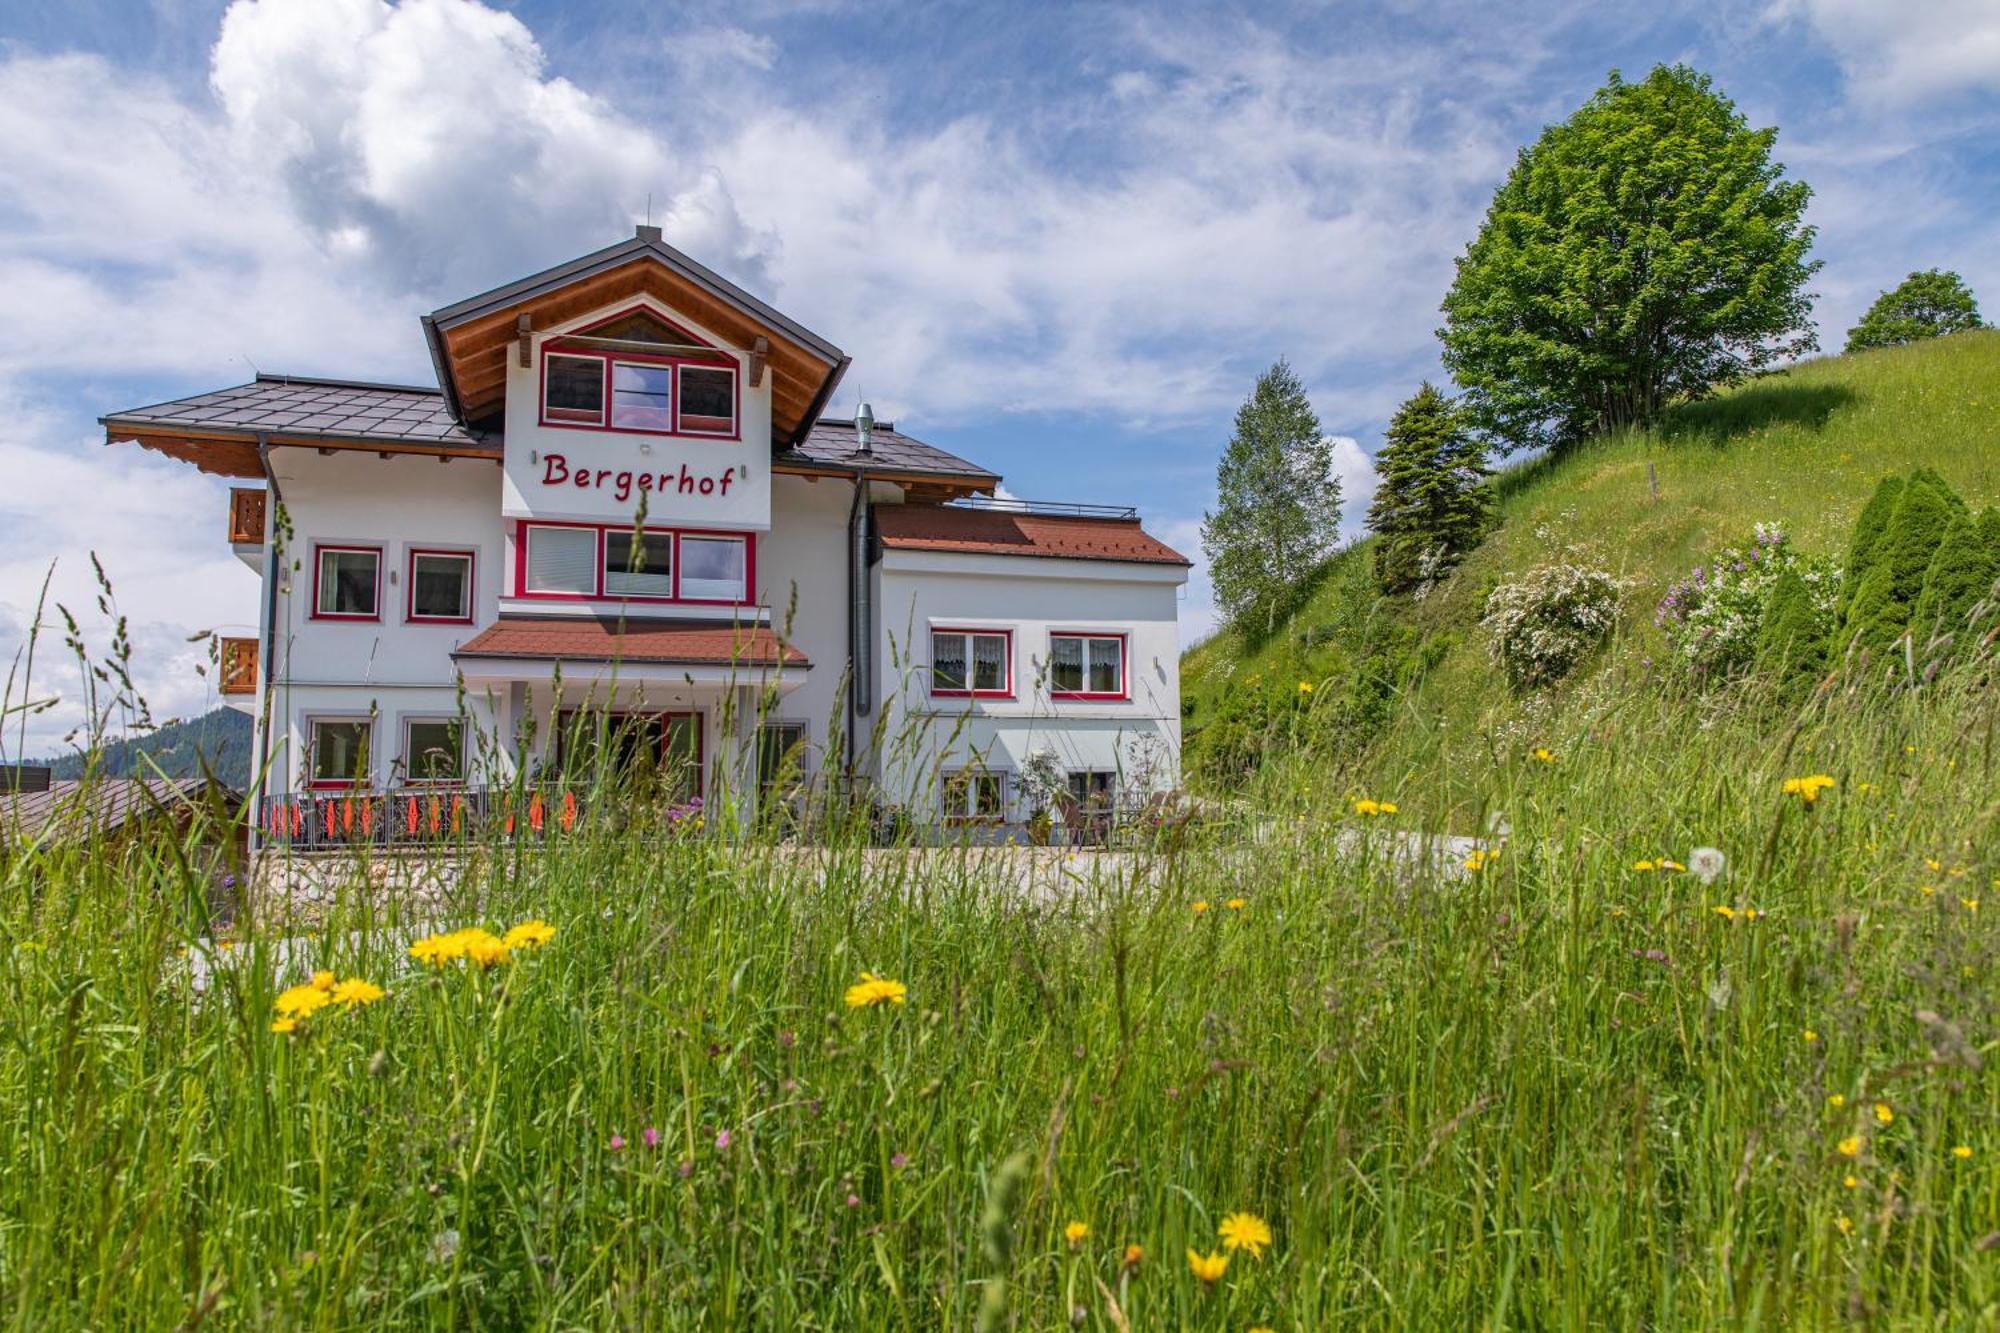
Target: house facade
(623,500)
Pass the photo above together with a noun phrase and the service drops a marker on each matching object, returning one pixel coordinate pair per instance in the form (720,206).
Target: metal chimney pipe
(864,430)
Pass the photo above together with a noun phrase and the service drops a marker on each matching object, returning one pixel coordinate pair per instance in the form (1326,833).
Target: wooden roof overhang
(231,453)
(472,340)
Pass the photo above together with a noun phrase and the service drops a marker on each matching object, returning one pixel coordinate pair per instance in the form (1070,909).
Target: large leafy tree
(1430,508)
(1924,305)
(1645,250)
(1277,510)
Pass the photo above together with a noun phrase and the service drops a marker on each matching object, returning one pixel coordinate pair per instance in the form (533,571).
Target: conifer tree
(1868,526)
(1961,572)
(1792,641)
(1430,508)
(1277,511)
(1896,562)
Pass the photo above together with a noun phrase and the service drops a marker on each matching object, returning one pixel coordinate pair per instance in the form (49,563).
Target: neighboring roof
(923,527)
(674,642)
(470,340)
(72,809)
(833,444)
(348,413)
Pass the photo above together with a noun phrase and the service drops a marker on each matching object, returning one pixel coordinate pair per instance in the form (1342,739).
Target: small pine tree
(1277,512)
(1430,508)
(1792,641)
(1893,579)
(1868,526)
(1961,572)
(1929,304)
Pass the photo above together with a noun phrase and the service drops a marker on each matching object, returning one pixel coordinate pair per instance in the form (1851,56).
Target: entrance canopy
(588,648)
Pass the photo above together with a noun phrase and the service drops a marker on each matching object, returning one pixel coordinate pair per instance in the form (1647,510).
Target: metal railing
(1051,508)
(439,815)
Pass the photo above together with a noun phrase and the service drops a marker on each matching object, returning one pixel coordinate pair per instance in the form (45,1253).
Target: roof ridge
(277,377)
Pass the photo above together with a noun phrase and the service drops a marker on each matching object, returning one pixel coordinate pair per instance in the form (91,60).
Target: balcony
(246,524)
(237,668)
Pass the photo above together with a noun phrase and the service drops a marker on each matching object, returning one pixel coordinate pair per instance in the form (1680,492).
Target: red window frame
(1124,690)
(471,558)
(969,692)
(319,565)
(719,360)
(360,781)
(520,590)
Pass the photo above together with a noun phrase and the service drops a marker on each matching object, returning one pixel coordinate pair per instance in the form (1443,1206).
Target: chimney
(864,430)
(648,233)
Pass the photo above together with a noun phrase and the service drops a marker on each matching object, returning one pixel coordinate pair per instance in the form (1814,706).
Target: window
(656,754)
(638,565)
(1092,789)
(339,751)
(347,583)
(641,396)
(974,794)
(712,568)
(560,560)
(708,400)
(441,586)
(1090,666)
(433,750)
(971,662)
(573,389)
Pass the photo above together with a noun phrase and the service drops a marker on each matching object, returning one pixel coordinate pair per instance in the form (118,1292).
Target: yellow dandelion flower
(1836,1100)
(1199,906)
(1928,890)
(284,1025)
(1724,911)
(1544,753)
(1644,865)
(303,1001)
(1364,806)
(1075,1233)
(1962,1152)
(1844,1223)
(1237,904)
(1851,1181)
(1807,789)
(322,980)
(872,990)
(484,947)
(354,991)
(1933,863)
(1245,1231)
(1305,687)
(1811,1036)
(1208,1267)
(1969,904)
(1850,1146)
(1884,1113)
(1665,864)
(1480,857)
(529,935)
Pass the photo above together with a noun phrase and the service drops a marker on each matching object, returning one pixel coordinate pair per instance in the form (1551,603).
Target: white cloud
(1904,53)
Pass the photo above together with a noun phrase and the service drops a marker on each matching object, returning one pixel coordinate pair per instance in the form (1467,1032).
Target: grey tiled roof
(69,810)
(832,443)
(330,409)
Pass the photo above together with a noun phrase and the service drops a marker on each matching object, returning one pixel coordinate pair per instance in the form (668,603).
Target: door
(655,754)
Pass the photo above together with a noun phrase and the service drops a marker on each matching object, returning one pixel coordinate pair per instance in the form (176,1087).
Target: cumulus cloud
(1904,53)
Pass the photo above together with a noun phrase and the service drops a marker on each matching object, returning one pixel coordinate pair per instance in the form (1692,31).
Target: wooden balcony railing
(239,665)
(246,516)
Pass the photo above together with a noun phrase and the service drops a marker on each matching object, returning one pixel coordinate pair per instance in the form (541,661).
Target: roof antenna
(864,430)
(255,373)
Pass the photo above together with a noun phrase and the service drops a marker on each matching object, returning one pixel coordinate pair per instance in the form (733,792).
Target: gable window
(433,750)
(638,566)
(974,795)
(347,583)
(339,754)
(713,568)
(441,587)
(1087,666)
(573,389)
(708,400)
(641,396)
(560,561)
(972,663)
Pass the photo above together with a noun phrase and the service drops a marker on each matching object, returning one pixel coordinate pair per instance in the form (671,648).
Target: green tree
(1884,604)
(1430,506)
(1929,304)
(1792,641)
(1961,572)
(1868,528)
(1277,510)
(1645,250)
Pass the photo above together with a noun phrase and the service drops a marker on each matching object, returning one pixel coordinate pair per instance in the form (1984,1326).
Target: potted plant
(1042,780)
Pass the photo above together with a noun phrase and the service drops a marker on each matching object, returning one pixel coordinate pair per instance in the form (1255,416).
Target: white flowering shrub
(1550,619)
(1712,617)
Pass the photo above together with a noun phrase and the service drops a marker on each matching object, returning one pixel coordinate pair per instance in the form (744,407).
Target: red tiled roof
(679,642)
(920,527)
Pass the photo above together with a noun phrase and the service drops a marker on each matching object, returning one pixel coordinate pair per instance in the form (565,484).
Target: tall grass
(1554,1092)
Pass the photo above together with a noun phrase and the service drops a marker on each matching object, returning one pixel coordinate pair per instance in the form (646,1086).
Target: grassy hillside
(1802,448)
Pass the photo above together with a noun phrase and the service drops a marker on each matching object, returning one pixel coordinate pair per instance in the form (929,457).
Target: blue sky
(1061,240)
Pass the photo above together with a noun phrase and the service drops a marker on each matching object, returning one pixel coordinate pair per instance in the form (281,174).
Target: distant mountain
(223,736)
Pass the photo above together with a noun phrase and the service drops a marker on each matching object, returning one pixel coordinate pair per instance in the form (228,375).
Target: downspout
(274,502)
